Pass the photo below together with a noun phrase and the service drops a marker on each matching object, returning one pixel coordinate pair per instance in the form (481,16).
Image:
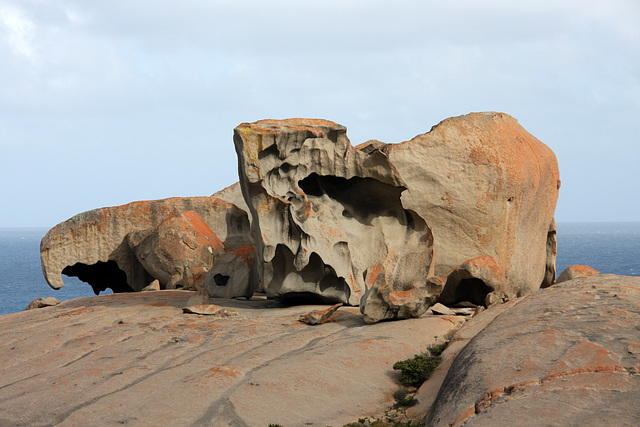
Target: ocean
(607,247)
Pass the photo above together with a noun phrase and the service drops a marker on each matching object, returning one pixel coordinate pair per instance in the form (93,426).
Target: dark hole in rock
(221,279)
(473,290)
(362,198)
(100,276)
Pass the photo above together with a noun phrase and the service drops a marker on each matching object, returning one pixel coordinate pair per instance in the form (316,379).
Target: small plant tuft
(413,372)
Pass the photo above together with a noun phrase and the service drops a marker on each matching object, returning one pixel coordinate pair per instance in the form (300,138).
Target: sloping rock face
(566,355)
(178,252)
(328,219)
(136,359)
(92,245)
(485,186)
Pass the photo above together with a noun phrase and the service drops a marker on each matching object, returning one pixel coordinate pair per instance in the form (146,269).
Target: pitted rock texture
(178,252)
(575,271)
(485,186)
(136,359)
(92,245)
(566,355)
(233,274)
(328,219)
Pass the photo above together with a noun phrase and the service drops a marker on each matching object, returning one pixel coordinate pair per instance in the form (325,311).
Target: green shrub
(413,372)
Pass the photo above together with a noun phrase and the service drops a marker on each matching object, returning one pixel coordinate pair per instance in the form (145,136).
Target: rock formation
(42,302)
(92,245)
(178,252)
(559,356)
(327,219)
(457,213)
(233,274)
(485,186)
(575,271)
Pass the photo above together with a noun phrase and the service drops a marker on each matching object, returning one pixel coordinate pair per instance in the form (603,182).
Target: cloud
(142,85)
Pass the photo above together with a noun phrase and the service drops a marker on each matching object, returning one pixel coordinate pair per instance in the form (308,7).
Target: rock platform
(136,359)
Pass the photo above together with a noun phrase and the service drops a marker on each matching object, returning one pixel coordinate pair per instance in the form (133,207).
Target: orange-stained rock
(575,271)
(485,186)
(328,220)
(318,317)
(233,274)
(473,280)
(178,252)
(567,355)
(92,245)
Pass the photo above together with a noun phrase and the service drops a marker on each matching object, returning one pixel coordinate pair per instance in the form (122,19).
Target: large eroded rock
(485,186)
(92,245)
(179,251)
(566,355)
(328,220)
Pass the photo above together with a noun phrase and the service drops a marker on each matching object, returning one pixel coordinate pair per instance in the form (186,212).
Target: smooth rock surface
(485,186)
(328,220)
(92,245)
(178,252)
(566,355)
(137,359)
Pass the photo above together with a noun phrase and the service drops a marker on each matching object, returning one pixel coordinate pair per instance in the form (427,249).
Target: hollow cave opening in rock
(362,198)
(100,276)
(221,279)
(473,290)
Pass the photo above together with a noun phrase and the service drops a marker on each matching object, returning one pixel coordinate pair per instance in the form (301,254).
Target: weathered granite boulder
(92,245)
(233,274)
(327,219)
(485,186)
(575,271)
(568,355)
(42,302)
(473,280)
(318,317)
(178,252)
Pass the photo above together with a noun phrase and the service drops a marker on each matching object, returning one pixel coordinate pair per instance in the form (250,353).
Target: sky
(107,102)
